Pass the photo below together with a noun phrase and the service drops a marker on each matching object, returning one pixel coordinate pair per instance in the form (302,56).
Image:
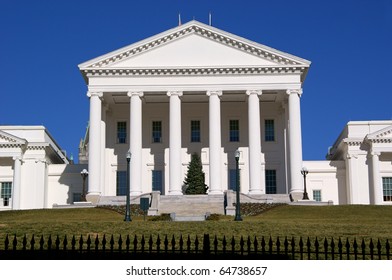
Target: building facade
(195,89)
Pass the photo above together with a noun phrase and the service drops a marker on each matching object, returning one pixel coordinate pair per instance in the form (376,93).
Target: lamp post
(84,174)
(128,203)
(237,173)
(305,172)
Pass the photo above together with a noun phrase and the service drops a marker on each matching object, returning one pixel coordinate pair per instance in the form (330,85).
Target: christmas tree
(194,180)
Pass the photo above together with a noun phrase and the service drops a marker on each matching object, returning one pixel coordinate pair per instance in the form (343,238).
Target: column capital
(254,91)
(214,92)
(95,93)
(170,93)
(15,158)
(135,93)
(294,91)
(373,153)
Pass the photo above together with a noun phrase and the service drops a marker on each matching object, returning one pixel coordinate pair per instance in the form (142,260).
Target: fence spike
(286,246)
(181,244)
(224,244)
(96,243)
(371,246)
(255,244)
(293,247)
(387,248)
(333,249)
(14,243)
(196,245)
(6,242)
(301,248)
(57,242)
(308,245)
(249,245)
(73,243)
(150,243)
(111,243)
(355,246)
(379,249)
(24,242)
(32,243)
(135,244)
(325,248)
(166,243)
(242,243)
(50,242)
(81,241)
(104,243)
(348,248)
(262,245)
(158,244)
(340,246)
(188,244)
(65,243)
(127,243)
(173,243)
(317,247)
(120,244)
(232,245)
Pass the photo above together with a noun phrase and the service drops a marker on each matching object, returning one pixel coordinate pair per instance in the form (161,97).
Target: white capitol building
(195,89)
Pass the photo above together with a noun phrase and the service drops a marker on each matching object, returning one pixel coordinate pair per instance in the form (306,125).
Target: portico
(198,89)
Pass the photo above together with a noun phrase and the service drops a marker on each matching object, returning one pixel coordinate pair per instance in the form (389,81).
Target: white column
(94,153)
(215,144)
(16,184)
(254,142)
(295,141)
(135,137)
(175,162)
(377,188)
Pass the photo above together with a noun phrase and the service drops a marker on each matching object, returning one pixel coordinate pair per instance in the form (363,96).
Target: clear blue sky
(348,42)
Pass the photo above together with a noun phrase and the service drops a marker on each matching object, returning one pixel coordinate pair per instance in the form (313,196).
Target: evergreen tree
(194,180)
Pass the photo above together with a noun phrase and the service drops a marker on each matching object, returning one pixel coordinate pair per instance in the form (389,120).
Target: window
(121,132)
(269,130)
(156,131)
(234,131)
(121,185)
(317,195)
(76,197)
(6,191)
(233,179)
(157,181)
(270,181)
(195,131)
(387,188)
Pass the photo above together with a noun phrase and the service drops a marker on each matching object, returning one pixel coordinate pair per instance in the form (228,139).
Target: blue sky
(348,42)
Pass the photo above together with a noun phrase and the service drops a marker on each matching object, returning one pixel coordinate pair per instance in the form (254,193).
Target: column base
(215,193)
(93,198)
(256,192)
(296,196)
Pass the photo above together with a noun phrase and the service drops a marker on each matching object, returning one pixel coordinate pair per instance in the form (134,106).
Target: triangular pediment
(385,133)
(194,45)
(6,139)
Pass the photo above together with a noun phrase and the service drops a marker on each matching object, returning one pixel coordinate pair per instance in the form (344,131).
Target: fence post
(325,248)
(278,246)
(348,248)
(371,246)
(340,246)
(355,245)
(308,245)
(166,243)
(14,243)
(127,243)
(206,244)
(301,248)
(32,243)
(363,247)
(316,245)
(232,245)
(6,243)
(216,245)
(379,249)
(333,249)
(158,244)
(293,247)
(65,243)
(24,243)
(224,244)
(387,249)
(181,244)
(188,244)
(196,245)
(173,243)
(242,243)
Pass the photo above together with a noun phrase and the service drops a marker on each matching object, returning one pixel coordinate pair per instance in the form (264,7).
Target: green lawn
(291,221)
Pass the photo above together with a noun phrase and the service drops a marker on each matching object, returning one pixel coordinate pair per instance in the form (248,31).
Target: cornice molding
(353,142)
(193,71)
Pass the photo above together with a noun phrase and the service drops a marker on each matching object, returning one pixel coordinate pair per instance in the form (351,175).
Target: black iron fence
(206,247)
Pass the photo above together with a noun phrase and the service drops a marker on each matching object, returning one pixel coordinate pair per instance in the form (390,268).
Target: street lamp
(237,173)
(305,172)
(84,174)
(128,203)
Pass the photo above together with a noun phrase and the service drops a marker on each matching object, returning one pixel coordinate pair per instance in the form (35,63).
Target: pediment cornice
(285,63)
(10,141)
(381,136)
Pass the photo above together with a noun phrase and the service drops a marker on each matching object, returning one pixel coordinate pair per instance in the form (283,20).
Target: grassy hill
(291,221)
